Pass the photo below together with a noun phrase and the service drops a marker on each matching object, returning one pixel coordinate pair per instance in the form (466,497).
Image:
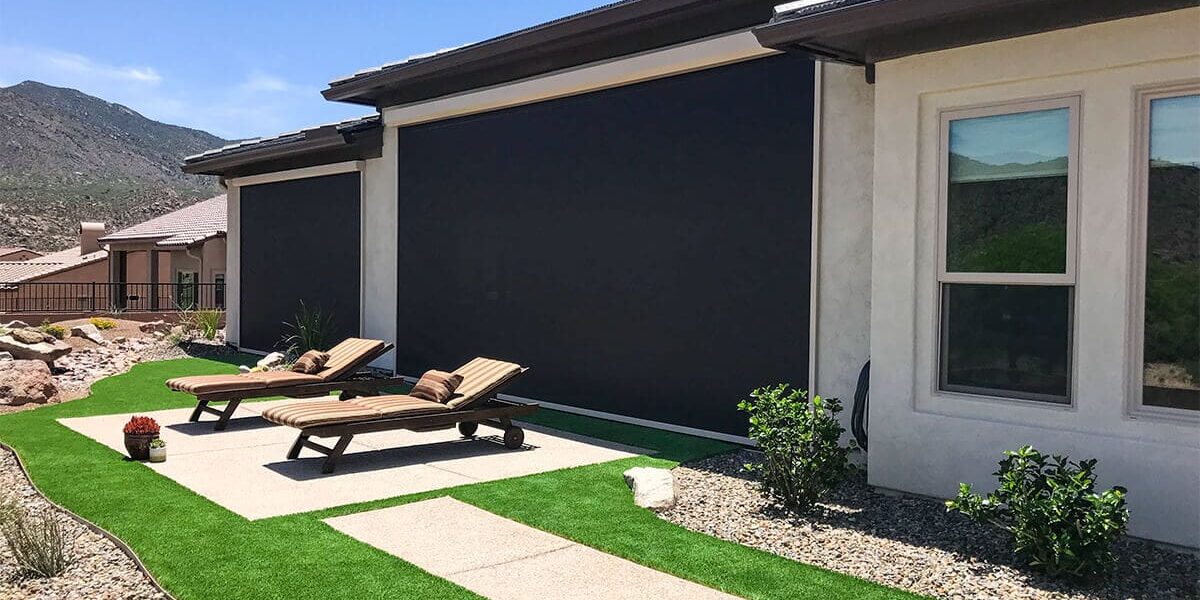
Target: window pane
(1007,194)
(1007,340)
(1172,328)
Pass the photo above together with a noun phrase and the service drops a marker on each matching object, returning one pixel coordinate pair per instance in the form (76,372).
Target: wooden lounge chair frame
(351,385)
(488,410)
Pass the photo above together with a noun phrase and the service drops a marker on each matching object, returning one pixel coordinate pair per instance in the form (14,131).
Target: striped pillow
(436,386)
(310,362)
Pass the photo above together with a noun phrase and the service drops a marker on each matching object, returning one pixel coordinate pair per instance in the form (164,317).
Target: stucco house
(662,204)
(83,263)
(185,247)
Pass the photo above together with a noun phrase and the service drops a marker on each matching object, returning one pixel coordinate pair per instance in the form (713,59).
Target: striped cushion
(394,406)
(275,379)
(318,412)
(208,384)
(436,386)
(311,362)
(480,376)
(348,356)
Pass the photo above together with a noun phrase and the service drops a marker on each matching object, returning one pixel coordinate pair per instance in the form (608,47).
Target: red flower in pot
(139,432)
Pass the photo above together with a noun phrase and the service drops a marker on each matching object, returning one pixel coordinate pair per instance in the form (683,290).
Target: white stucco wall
(379,205)
(233,264)
(843,266)
(926,441)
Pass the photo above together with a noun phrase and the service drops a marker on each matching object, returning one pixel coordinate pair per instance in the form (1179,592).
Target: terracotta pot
(138,445)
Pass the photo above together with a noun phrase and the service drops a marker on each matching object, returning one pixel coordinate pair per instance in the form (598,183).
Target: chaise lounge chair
(472,404)
(340,374)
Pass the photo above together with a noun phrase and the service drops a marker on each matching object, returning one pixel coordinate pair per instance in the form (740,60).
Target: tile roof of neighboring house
(184,227)
(285,138)
(34,268)
(15,249)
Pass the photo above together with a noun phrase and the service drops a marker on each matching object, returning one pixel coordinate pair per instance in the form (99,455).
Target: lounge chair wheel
(514,437)
(468,428)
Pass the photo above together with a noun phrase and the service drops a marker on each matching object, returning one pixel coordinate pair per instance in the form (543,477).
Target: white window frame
(1140,196)
(1066,279)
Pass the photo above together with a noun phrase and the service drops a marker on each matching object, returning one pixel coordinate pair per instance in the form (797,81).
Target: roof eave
(602,34)
(877,30)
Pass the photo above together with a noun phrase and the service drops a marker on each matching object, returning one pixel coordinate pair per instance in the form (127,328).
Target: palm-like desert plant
(311,330)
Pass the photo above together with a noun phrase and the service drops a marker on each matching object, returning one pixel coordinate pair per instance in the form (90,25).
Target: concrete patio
(244,468)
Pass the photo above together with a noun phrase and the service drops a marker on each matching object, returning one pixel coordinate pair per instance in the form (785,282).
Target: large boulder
(15,325)
(43,350)
(652,488)
(26,381)
(89,332)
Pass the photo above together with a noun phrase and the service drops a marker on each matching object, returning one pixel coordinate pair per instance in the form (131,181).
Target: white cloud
(264,82)
(56,62)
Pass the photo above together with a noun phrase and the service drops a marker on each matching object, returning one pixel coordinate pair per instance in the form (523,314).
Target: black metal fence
(42,297)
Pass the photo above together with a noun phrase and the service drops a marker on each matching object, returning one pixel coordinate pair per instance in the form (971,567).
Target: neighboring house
(17,254)
(184,248)
(661,204)
(83,263)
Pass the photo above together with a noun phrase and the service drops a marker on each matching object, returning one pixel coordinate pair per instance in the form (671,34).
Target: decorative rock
(159,335)
(243,369)
(28,336)
(15,325)
(88,331)
(120,339)
(26,381)
(45,351)
(652,488)
(6,356)
(154,326)
(271,360)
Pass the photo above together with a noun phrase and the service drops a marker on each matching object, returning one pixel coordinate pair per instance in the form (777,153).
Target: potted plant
(139,432)
(158,450)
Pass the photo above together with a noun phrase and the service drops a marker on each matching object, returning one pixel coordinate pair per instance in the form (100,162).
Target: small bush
(141,426)
(158,443)
(311,330)
(58,331)
(205,322)
(1058,522)
(800,441)
(101,323)
(37,544)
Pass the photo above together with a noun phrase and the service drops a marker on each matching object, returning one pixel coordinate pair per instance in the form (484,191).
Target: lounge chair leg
(199,411)
(297,447)
(338,449)
(223,422)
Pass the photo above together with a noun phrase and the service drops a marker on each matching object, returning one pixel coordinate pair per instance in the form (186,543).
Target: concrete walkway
(244,468)
(505,560)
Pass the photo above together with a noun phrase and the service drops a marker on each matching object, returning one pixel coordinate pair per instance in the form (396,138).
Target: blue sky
(239,69)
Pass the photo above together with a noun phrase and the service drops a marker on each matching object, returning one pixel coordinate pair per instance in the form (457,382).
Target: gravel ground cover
(907,542)
(98,569)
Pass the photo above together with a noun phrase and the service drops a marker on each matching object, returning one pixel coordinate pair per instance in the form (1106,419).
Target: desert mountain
(67,157)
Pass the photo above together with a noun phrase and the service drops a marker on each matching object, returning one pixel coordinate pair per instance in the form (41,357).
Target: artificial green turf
(199,550)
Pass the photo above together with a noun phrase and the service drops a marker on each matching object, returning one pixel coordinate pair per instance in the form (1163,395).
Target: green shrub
(37,544)
(58,331)
(802,458)
(311,330)
(102,323)
(1058,522)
